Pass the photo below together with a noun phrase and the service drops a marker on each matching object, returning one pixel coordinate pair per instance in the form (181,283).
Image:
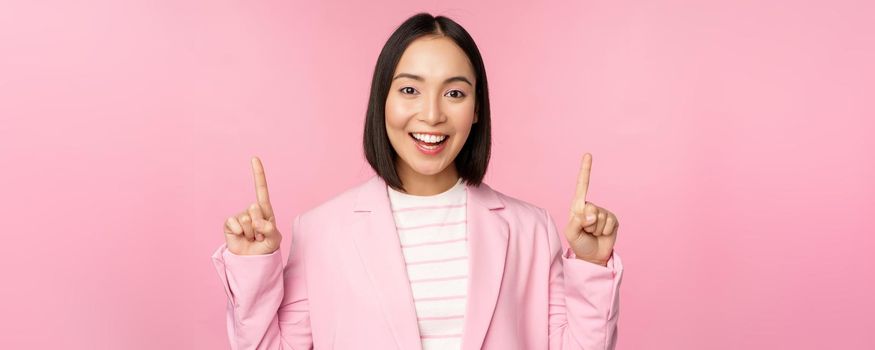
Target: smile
(429,144)
(429,138)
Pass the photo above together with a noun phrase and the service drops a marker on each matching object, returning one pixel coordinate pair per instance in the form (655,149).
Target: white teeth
(429,138)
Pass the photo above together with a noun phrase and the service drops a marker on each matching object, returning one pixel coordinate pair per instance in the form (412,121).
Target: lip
(428,151)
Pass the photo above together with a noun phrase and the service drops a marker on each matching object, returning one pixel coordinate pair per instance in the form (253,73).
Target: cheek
(397,112)
(463,116)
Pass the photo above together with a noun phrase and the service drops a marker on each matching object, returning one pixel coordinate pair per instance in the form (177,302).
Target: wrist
(600,263)
(571,255)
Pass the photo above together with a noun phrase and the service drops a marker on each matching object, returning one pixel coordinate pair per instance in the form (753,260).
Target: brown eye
(459,93)
(407,90)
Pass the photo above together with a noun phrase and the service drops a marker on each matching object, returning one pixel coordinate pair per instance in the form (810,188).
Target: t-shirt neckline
(459,186)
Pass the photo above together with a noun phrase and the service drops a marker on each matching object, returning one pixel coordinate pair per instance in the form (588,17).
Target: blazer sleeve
(584,298)
(267,306)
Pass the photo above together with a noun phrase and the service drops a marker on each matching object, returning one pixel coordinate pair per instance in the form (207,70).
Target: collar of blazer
(379,248)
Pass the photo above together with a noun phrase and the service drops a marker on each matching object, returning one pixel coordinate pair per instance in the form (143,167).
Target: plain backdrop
(733,139)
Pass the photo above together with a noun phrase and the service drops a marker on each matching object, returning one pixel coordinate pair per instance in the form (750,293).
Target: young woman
(423,255)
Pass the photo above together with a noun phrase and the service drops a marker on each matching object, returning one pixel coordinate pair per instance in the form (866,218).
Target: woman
(423,255)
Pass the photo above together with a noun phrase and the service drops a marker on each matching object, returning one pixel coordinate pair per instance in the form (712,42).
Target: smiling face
(430,108)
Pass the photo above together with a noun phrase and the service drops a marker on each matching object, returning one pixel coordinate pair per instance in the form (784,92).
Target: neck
(427,185)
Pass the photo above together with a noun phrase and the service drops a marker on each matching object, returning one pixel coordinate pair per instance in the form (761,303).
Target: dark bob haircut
(473,159)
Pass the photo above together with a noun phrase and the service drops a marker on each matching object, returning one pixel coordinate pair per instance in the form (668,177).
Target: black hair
(473,159)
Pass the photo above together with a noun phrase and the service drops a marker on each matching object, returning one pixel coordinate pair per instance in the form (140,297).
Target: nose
(432,112)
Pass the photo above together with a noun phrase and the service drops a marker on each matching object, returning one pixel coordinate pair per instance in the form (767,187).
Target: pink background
(733,139)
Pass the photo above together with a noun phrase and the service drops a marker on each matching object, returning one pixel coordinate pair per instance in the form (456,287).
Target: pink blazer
(345,285)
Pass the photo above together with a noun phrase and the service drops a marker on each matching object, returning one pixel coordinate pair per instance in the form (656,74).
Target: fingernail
(590,218)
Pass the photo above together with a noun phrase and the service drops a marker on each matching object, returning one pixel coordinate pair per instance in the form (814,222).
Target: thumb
(263,229)
(590,217)
(586,216)
(580,221)
(263,226)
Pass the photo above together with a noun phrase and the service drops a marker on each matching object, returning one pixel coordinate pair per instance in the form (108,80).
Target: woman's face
(432,93)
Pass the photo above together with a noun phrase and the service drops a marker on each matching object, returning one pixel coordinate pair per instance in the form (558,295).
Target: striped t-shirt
(433,235)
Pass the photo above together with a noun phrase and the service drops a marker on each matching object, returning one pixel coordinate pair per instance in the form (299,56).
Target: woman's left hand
(591,230)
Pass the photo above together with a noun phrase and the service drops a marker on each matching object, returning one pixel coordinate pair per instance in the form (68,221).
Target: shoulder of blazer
(337,204)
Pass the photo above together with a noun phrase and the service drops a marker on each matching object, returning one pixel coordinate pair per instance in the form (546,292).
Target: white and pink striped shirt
(433,235)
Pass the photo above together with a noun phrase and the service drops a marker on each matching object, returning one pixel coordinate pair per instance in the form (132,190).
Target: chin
(427,170)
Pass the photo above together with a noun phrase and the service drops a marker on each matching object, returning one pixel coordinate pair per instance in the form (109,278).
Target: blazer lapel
(487,248)
(377,242)
(380,250)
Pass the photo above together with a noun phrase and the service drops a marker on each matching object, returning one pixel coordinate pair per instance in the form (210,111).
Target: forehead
(435,58)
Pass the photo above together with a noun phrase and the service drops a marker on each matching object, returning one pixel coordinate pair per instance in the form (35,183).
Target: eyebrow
(419,78)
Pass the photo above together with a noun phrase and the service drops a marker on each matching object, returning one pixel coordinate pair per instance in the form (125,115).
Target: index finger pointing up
(261,188)
(583,177)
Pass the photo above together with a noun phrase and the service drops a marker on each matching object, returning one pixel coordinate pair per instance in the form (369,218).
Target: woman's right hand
(253,231)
